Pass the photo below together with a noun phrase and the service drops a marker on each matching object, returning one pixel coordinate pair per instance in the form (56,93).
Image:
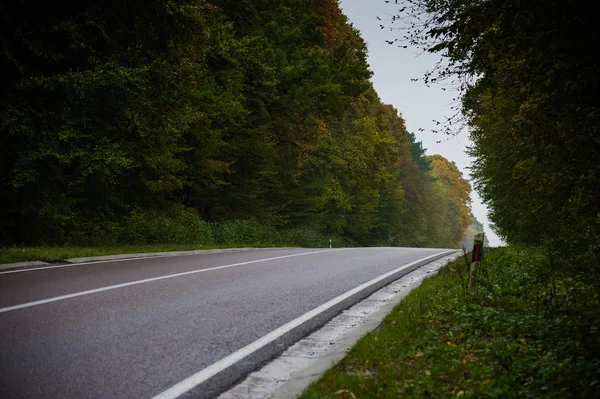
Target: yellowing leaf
(341,391)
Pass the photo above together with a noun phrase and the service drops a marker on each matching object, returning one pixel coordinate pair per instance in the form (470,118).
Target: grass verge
(532,332)
(178,231)
(57,254)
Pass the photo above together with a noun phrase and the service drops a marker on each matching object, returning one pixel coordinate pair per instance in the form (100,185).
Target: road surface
(186,325)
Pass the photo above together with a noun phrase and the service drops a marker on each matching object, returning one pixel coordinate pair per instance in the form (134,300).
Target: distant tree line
(115,118)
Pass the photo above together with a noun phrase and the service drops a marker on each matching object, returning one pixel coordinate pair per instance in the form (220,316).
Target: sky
(419,105)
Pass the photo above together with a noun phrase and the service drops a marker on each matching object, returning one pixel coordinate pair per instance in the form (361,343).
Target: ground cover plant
(532,331)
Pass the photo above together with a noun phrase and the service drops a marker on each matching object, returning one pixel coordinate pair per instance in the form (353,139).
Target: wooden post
(474,268)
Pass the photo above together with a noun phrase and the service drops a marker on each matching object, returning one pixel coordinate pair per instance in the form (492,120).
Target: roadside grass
(176,230)
(57,254)
(532,332)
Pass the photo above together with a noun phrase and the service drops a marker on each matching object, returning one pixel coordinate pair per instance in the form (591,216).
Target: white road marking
(189,383)
(148,280)
(94,262)
(79,264)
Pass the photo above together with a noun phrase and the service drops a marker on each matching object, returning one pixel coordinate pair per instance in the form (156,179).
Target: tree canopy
(257,110)
(527,72)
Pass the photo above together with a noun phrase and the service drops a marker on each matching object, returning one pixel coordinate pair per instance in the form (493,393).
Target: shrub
(244,232)
(307,237)
(176,225)
(180,225)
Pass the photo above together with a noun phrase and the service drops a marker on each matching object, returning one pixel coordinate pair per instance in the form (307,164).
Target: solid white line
(148,280)
(189,383)
(94,262)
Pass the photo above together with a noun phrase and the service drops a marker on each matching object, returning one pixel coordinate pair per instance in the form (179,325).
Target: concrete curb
(142,255)
(289,374)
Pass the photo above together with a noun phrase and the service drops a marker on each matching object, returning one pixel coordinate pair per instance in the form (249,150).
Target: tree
(532,111)
(216,109)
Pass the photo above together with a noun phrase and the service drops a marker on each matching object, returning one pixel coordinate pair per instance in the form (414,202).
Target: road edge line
(205,374)
(148,280)
(290,373)
(20,267)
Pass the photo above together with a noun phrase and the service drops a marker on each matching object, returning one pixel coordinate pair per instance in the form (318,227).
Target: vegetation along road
(163,125)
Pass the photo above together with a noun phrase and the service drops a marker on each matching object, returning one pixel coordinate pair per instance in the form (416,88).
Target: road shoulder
(309,358)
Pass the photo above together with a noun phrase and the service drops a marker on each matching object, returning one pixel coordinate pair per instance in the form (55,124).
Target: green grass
(177,229)
(532,332)
(57,254)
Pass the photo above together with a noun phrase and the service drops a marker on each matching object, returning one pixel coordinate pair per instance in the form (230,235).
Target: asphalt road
(134,329)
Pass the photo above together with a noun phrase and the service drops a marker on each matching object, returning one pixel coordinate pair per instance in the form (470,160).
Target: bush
(306,237)
(184,226)
(177,225)
(245,232)
(95,232)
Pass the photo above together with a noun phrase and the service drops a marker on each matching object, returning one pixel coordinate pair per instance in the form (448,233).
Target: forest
(178,121)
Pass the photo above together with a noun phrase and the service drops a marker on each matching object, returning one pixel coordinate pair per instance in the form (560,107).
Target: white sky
(393,69)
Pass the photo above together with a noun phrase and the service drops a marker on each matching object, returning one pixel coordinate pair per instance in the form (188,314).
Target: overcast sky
(420,105)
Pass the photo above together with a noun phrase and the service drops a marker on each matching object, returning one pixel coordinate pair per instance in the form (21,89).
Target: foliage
(177,230)
(528,80)
(532,332)
(148,122)
(177,226)
(308,238)
(468,237)
(456,196)
(244,232)
(418,153)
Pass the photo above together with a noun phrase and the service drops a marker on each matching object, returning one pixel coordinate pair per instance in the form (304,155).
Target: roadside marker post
(474,267)
(330,243)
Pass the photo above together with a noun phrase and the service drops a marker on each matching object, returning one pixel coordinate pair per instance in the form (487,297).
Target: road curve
(136,329)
